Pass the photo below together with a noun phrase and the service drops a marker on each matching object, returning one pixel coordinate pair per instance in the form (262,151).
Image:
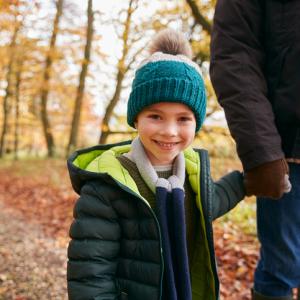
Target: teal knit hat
(168,77)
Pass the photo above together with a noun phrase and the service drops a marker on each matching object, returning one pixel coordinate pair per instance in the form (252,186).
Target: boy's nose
(169,129)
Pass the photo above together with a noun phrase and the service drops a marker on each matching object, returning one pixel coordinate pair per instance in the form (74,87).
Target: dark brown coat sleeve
(236,70)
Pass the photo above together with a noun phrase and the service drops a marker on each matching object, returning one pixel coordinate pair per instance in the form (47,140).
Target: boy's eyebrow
(153,110)
(161,111)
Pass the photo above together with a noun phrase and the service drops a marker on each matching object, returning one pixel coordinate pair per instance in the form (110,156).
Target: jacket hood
(100,162)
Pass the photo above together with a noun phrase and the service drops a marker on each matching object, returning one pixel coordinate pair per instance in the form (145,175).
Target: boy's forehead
(173,107)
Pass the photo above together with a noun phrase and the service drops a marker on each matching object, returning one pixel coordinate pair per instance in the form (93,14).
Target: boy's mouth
(166,145)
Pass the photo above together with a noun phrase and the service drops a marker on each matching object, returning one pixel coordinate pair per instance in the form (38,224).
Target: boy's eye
(185,119)
(154,117)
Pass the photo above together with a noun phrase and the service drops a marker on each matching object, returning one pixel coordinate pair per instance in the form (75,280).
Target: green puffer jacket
(116,251)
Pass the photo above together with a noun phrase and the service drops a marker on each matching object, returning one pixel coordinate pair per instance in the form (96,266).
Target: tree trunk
(17,112)
(46,80)
(122,69)
(8,91)
(80,90)
(110,108)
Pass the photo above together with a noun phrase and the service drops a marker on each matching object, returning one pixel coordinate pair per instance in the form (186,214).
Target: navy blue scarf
(171,216)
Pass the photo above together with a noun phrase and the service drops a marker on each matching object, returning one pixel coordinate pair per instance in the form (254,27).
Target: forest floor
(36,204)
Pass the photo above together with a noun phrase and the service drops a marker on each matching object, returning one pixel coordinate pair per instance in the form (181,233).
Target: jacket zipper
(125,188)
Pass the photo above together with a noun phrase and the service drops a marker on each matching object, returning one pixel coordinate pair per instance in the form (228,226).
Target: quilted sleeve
(227,193)
(94,247)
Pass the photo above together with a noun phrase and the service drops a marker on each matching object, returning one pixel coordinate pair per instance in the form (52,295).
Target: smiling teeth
(166,144)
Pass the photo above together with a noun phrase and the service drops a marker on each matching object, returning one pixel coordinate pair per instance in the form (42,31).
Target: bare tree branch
(200,19)
(134,58)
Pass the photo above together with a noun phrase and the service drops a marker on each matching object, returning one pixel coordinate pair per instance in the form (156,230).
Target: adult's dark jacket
(255,71)
(115,252)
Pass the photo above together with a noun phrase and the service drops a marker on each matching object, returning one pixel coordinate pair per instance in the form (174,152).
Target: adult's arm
(237,74)
(94,248)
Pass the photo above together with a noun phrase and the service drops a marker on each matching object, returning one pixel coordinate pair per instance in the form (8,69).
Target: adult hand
(267,180)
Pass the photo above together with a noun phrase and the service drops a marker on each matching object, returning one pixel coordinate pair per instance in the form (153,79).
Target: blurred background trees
(67,67)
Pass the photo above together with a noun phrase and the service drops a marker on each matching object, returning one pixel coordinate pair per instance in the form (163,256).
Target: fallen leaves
(39,202)
(237,254)
(51,207)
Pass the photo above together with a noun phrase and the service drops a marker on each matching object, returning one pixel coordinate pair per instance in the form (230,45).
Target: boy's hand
(268,179)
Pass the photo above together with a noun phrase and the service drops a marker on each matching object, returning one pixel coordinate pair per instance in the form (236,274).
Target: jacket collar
(102,159)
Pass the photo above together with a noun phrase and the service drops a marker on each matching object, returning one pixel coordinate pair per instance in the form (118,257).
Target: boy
(143,222)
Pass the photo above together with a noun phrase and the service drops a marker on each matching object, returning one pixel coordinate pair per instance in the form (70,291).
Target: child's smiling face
(165,129)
